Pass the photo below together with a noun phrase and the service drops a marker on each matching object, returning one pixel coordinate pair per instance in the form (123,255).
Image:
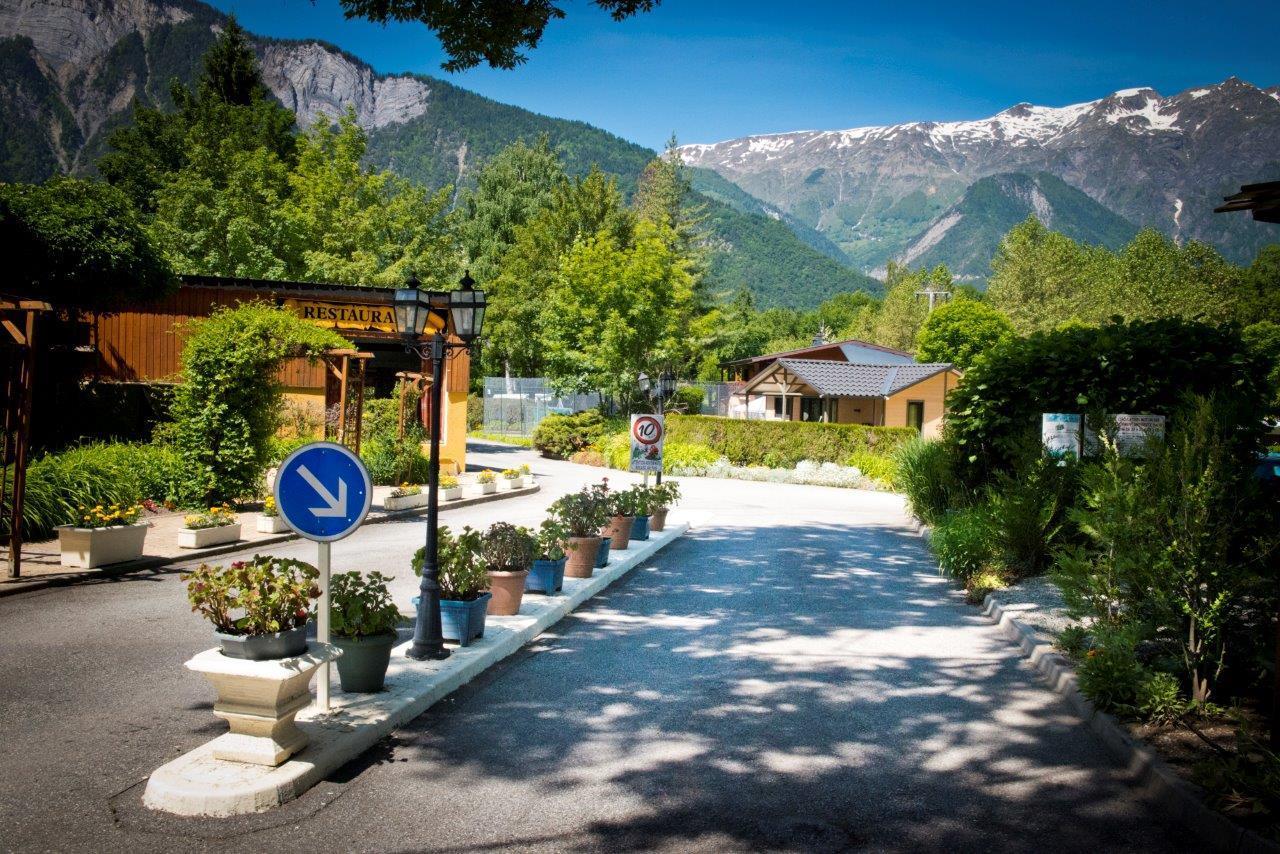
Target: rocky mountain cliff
(1155,161)
(70,69)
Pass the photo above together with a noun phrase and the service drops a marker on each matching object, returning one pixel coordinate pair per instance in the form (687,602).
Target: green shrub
(1110,674)
(783,443)
(59,484)
(562,436)
(1140,366)
(1029,514)
(925,471)
(393,461)
(962,542)
(227,407)
(1160,700)
(281,447)
(875,466)
(475,412)
(688,400)
(1074,641)
(616,450)
(687,456)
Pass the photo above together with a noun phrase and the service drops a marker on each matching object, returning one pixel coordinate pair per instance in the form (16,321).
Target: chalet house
(842,382)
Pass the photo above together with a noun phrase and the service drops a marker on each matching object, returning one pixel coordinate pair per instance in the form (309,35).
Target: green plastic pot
(362,669)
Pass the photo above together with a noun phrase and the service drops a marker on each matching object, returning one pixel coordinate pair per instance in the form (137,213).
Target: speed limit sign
(647,433)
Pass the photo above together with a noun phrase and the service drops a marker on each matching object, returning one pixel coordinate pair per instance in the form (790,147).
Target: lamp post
(466,307)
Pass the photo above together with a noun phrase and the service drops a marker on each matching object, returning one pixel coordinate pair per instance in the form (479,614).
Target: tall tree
(903,310)
(493,31)
(959,331)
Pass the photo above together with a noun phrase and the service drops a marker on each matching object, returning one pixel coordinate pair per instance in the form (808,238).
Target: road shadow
(803,688)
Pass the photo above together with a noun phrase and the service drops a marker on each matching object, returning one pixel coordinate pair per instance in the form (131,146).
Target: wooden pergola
(18,358)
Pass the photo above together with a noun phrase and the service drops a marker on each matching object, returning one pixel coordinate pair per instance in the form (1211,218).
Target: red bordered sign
(647,434)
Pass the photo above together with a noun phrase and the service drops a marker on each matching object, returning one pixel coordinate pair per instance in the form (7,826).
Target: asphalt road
(792,675)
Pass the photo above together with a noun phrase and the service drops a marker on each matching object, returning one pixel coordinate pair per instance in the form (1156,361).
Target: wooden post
(342,400)
(19,385)
(359,407)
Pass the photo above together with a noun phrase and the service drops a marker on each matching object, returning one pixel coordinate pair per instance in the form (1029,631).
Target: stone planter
(363,666)
(271,525)
(90,547)
(514,482)
(201,538)
(488,488)
(276,645)
(602,558)
(404,502)
(451,494)
(259,700)
(506,590)
(546,576)
(619,532)
(640,528)
(658,521)
(581,556)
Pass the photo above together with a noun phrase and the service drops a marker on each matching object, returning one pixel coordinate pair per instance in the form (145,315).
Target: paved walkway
(41,561)
(794,675)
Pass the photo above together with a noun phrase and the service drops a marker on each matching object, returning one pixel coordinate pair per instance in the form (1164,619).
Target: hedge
(782,444)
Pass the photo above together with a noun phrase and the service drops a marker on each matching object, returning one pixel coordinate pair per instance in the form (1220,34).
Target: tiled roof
(842,379)
(770,357)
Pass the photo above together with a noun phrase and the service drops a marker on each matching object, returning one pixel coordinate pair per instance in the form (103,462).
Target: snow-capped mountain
(1157,161)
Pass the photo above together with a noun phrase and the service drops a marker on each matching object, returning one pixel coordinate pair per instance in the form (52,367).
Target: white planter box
(488,488)
(202,538)
(404,502)
(271,525)
(514,483)
(451,494)
(90,547)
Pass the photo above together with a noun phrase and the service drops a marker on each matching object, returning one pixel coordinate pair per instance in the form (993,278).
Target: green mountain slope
(966,235)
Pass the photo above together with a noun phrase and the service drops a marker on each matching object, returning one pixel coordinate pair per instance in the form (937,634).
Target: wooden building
(143,344)
(845,382)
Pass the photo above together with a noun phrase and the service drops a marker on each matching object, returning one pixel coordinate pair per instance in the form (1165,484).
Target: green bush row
(562,436)
(58,485)
(782,444)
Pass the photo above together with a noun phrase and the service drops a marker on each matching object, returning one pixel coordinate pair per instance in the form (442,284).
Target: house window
(811,408)
(915,414)
(777,407)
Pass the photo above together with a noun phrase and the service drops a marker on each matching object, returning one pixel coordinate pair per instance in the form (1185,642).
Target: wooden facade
(143,343)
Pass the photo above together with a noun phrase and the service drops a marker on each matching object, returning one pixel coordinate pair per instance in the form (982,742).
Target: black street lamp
(413,308)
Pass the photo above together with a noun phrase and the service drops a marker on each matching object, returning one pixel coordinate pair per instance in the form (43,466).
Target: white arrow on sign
(337,506)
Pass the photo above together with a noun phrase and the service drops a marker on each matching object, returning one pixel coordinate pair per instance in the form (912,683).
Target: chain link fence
(514,406)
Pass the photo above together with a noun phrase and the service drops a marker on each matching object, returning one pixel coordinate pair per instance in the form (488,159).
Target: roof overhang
(1263,200)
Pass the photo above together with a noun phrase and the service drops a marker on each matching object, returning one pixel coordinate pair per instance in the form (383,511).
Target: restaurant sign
(369,317)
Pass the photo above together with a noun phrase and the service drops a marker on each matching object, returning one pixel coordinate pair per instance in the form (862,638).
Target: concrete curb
(197,784)
(12,588)
(1179,799)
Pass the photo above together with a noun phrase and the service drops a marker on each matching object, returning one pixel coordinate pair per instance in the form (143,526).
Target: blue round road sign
(323,491)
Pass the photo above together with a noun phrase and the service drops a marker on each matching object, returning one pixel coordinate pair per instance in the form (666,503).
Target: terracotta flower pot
(619,532)
(582,555)
(658,521)
(507,589)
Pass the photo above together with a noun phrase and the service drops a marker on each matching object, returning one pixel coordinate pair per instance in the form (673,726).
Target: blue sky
(711,70)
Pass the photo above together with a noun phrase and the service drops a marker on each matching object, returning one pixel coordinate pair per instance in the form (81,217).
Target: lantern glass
(466,306)
(667,383)
(643,382)
(411,314)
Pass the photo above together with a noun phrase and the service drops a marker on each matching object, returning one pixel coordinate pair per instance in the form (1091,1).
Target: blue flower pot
(461,621)
(602,559)
(640,528)
(545,576)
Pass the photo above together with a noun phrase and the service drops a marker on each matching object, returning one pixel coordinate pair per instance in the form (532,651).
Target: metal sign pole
(322,624)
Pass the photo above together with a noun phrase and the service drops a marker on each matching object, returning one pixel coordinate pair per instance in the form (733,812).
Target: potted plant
(209,528)
(666,494)
(622,515)
(362,620)
(488,482)
(263,670)
(547,573)
(449,488)
(642,502)
(513,478)
(526,472)
(103,535)
(464,594)
(259,608)
(404,496)
(602,556)
(507,553)
(582,514)
(269,521)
